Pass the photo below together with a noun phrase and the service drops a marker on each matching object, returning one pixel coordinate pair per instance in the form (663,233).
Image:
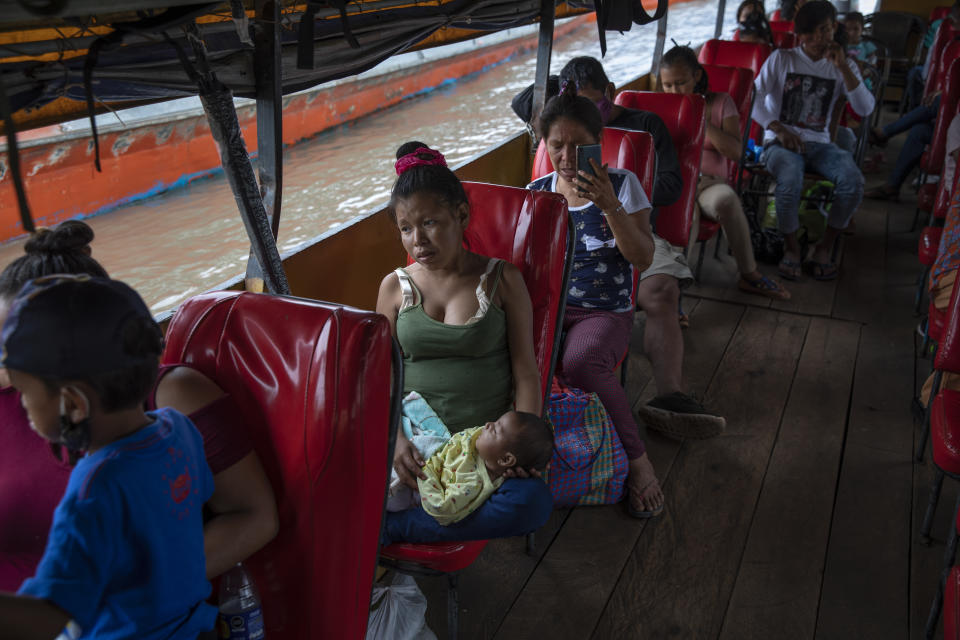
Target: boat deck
(800,521)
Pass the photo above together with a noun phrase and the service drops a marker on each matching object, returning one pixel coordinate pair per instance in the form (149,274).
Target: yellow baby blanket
(457,479)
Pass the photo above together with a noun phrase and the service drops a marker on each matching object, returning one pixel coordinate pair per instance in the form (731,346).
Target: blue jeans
(910,153)
(833,163)
(919,115)
(518,507)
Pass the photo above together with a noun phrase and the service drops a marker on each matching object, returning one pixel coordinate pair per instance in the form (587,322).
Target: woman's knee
(659,294)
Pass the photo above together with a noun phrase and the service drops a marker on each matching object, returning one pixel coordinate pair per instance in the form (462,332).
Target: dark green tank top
(462,371)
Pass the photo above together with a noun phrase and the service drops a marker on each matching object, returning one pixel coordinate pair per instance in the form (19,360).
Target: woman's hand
(520,472)
(408,462)
(597,188)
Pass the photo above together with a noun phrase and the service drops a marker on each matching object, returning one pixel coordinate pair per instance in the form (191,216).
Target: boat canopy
(57,54)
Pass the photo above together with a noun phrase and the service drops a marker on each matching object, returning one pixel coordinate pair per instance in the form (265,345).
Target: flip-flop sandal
(764,286)
(643,514)
(823,270)
(789,269)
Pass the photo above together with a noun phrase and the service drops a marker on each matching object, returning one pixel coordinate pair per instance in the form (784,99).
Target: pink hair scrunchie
(411,160)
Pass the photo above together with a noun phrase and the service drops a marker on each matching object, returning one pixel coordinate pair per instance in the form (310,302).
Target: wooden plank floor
(799,521)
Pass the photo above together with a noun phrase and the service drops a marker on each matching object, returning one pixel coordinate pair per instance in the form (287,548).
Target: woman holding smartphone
(611,215)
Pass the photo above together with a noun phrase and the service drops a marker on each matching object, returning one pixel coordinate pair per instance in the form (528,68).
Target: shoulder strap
(407,288)
(496,278)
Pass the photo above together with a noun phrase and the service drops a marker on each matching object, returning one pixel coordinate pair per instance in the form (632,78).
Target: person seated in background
(465,324)
(755,29)
(681,72)
(752,24)
(241,515)
(789,9)
(125,558)
(863,51)
(797,90)
(917,76)
(919,121)
(470,466)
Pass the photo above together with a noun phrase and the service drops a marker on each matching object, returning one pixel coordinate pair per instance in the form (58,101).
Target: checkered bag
(589,465)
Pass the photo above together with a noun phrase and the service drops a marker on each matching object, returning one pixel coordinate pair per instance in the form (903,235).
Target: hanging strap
(306,31)
(13,153)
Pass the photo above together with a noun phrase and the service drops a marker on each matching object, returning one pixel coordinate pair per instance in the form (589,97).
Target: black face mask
(74,436)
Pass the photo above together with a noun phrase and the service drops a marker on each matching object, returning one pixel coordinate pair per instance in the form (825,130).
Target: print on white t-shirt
(806,101)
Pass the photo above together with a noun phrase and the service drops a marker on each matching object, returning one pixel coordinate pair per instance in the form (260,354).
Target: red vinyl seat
(775,16)
(784,39)
(737,82)
(748,55)
(684,117)
(942,423)
(945,35)
(317,386)
(929,245)
(939,13)
(782,26)
(621,149)
(945,430)
(951,606)
(931,162)
(936,321)
(531,230)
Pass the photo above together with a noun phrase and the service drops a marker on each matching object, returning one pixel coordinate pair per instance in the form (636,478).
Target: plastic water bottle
(240,614)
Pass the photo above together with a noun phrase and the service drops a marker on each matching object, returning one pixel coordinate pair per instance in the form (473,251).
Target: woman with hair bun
(242,514)
(465,324)
(681,72)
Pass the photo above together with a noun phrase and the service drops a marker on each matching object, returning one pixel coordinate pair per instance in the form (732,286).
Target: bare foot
(645,492)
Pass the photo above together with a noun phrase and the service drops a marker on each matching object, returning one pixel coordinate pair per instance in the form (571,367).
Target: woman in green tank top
(464,321)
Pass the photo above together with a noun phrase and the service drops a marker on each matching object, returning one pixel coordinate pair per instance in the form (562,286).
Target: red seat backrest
(531,230)
(749,55)
(782,26)
(948,349)
(776,16)
(684,117)
(621,149)
(737,82)
(945,35)
(784,39)
(939,13)
(933,158)
(941,202)
(314,380)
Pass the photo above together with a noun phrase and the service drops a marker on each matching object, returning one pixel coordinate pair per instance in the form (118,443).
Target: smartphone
(584,153)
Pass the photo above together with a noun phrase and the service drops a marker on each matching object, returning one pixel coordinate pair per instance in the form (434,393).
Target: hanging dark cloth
(617,15)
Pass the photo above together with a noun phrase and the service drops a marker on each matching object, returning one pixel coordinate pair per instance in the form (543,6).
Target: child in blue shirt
(124,558)
(863,51)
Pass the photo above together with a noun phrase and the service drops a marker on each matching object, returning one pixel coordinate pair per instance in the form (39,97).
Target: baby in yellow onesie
(470,467)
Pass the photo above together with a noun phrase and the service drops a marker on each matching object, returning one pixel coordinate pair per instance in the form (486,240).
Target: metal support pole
(268,75)
(661,39)
(544,51)
(721,9)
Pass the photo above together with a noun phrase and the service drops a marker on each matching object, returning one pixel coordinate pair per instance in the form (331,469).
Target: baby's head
(516,439)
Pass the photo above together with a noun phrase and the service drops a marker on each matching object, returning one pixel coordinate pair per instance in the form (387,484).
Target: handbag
(589,465)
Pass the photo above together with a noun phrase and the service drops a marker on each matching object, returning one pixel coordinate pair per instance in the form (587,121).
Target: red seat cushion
(749,55)
(684,117)
(315,380)
(708,229)
(929,244)
(936,320)
(951,606)
(945,430)
(784,39)
(926,196)
(445,557)
(932,160)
